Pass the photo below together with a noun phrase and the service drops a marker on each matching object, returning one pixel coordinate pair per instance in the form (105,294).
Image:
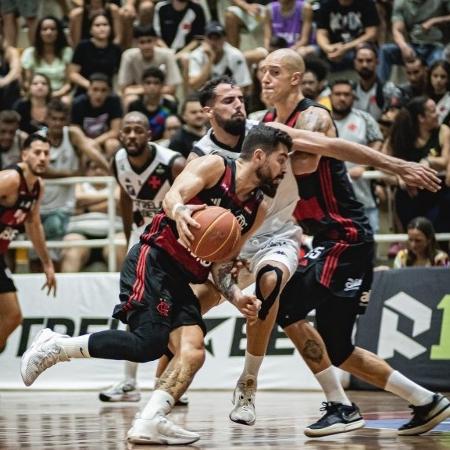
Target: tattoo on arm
(223,279)
(314,119)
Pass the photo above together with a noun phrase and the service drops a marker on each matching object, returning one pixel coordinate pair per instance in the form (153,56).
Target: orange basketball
(218,235)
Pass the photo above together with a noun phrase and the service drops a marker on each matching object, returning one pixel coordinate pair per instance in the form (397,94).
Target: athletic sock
(131,371)
(251,367)
(161,402)
(75,347)
(406,389)
(332,387)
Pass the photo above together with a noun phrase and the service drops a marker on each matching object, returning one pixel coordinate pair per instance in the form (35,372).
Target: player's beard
(267,184)
(234,126)
(365,74)
(36,170)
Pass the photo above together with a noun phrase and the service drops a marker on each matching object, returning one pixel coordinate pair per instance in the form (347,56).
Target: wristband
(176,207)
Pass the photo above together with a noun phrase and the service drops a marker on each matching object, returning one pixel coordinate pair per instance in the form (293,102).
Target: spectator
(152,103)
(215,58)
(95,55)
(50,56)
(341,26)
(11,10)
(438,86)
(314,81)
(9,74)
(193,129)
(415,33)
(33,110)
(11,138)
(136,60)
(417,136)
(256,106)
(178,22)
(369,89)
(356,126)
(140,11)
(422,248)
(291,20)
(173,124)
(80,20)
(98,113)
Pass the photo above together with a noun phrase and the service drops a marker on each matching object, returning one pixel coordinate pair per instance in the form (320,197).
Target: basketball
(218,235)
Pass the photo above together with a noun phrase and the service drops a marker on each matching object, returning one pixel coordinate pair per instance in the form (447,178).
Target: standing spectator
(356,126)
(215,58)
(341,26)
(152,103)
(369,89)
(178,22)
(438,87)
(11,138)
(136,60)
(80,20)
(9,74)
(50,56)
(33,110)
(11,10)
(415,33)
(193,129)
(95,55)
(422,248)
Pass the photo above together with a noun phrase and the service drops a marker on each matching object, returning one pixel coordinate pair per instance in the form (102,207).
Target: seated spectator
(291,20)
(99,114)
(11,138)
(33,109)
(422,248)
(314,81)
(215,58)
(9,74)
(341,26)
(11,12)
(152,103)
(90,222)
(136,60)
(415,33)
(173,124)
(438,86)
(95,55)
(131,12)
(50,56)
(193,129)
(80,20)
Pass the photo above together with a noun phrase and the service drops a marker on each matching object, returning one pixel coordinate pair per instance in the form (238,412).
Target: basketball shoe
(123,391)
(427,416)
(338,418)
(43,353)
(159,430)
(244,402)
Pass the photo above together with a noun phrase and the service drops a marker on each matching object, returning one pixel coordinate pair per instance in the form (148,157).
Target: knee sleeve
(268,301)
(152,344)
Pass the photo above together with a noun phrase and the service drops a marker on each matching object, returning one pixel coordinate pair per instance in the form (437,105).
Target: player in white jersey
(144,171)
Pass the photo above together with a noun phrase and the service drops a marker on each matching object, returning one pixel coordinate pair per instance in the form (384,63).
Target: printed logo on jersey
(241,220)
(216,201)
(154,182)
(163,307)
(352,284)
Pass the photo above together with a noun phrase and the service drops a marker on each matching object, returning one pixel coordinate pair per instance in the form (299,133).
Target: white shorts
(282,246)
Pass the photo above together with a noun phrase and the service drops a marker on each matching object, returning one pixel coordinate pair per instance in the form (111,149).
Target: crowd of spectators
(77,71)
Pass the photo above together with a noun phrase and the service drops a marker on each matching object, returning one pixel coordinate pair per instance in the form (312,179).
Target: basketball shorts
(6,281)
(151,283)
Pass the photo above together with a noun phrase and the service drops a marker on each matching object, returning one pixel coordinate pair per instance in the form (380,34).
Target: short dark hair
(57,105)
(153,72)
(266,138)
(317,66)
(98,76)
(144,31)
(277,42)
(189,99)
(207,92)
(343,81)
(9,116)
(367,46)
(34,137)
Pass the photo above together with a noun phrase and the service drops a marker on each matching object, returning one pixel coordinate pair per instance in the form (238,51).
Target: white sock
(332,387)
(75,347)
(131,371)
(161,402)
(155,382)
(251,367)
(406,389)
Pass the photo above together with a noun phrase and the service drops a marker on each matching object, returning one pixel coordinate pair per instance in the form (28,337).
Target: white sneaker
(182,401)
(244,402)
(159,430)
(123,391)
(43,353)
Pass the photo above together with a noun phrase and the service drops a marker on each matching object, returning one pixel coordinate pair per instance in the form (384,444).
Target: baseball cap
(214,27)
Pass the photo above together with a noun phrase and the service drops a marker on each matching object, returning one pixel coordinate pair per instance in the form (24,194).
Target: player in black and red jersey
(20,196)
(156,300)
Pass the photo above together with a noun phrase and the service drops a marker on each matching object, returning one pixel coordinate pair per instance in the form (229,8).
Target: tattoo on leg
(312,351)
(176,378)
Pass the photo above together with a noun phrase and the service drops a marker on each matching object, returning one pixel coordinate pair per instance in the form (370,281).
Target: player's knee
(339,350)
(152,346)
(268,287)
(194,355)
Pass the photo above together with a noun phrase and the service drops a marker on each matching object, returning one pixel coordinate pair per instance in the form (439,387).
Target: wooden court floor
(78,420)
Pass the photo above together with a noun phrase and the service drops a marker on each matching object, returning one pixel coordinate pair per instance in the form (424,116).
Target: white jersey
(148,188)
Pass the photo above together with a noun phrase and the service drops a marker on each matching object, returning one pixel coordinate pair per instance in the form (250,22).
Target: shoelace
(246,400)
(328,407)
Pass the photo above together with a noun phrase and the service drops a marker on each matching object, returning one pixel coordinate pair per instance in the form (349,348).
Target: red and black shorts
(6,281)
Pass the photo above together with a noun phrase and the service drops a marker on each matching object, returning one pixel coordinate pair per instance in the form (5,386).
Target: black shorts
(152,283)
(6,281)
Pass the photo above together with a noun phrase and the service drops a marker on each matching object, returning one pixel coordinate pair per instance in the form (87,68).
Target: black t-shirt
(95,121)
(27,123)
(346,23)
(183,141)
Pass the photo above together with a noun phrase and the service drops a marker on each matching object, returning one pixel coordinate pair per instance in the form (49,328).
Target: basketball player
(144,171)
(156,300)
(335,276)
(20,196)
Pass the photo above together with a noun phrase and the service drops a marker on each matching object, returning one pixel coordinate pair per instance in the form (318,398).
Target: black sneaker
(427,416)
(338,418)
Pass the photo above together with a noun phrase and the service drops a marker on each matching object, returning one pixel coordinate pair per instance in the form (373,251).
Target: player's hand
(50,284)
(248,305)
(182,216)
(238,265)
(419,176)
